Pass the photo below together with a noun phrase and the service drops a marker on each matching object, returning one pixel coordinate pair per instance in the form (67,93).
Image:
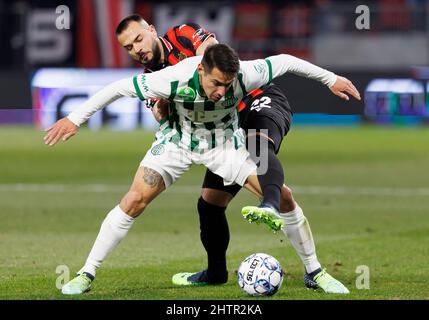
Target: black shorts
(270,111)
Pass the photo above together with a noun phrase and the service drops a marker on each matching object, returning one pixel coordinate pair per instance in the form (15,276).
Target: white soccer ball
(260,275)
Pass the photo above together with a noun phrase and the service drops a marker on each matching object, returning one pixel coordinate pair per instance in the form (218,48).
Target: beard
(154,64)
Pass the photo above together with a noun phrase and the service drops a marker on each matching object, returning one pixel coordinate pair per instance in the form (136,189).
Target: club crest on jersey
(182,56)
(259,67)
(157,150)
(229,101)
(187,93)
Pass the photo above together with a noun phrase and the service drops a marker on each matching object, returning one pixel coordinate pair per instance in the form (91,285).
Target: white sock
(113,229)
(297,229)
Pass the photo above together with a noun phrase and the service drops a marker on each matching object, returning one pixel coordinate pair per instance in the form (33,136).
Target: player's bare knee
(134,203)
(216,197)
(287,202)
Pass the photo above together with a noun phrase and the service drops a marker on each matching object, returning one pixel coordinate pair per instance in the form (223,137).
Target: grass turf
(364,191)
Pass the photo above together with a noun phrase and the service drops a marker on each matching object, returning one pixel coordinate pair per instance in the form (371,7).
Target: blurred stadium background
(359,169)
(324,32)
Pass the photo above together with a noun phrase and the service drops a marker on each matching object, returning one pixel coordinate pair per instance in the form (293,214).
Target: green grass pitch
(364,190)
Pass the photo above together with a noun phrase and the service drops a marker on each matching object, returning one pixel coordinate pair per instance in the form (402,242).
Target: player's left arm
(338,85)
(342,86)
(260,72)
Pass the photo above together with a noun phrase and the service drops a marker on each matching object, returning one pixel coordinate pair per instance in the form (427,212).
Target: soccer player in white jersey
(266,117)
(202,128)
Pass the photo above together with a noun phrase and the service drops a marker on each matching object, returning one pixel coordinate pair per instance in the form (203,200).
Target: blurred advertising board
(397,101)
(55,92)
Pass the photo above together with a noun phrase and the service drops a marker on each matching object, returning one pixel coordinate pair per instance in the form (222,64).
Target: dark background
(257,29)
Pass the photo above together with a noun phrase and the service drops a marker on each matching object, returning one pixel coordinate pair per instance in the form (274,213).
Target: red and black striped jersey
(181,42)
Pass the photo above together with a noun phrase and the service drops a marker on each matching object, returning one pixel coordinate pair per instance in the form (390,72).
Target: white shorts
(170,161)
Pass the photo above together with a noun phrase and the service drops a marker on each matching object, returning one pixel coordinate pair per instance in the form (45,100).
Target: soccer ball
(260,275)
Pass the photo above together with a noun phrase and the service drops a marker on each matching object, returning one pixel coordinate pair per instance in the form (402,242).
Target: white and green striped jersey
(195,122)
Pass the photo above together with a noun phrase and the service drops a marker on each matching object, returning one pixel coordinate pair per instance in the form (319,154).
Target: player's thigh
(162,165)
(216,197)
(215,192)
(252,184)
(273,121)
(264,127)
(146,186)
(231,161)
(168,160)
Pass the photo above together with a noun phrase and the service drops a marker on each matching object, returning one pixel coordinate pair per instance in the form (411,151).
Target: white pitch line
(193,189)
(379,191)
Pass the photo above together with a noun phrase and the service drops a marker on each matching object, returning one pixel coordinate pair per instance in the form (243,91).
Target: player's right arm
(143,86)
(67,127)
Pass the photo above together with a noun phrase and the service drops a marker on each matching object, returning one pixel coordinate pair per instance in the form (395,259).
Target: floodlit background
(359,169)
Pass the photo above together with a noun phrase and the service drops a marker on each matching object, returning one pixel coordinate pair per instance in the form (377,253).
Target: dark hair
(126,21)
(222,57)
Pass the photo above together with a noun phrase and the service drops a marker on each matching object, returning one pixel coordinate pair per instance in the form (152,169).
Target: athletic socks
(215,238)
(113,229)
(272,180)
(297,229)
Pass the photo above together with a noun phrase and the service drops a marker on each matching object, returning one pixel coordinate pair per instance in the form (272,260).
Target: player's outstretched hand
(343,86)
(62,129)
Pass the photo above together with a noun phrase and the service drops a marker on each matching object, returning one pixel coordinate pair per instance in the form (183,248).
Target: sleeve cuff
(73,118)
(136,86)
(332,78)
